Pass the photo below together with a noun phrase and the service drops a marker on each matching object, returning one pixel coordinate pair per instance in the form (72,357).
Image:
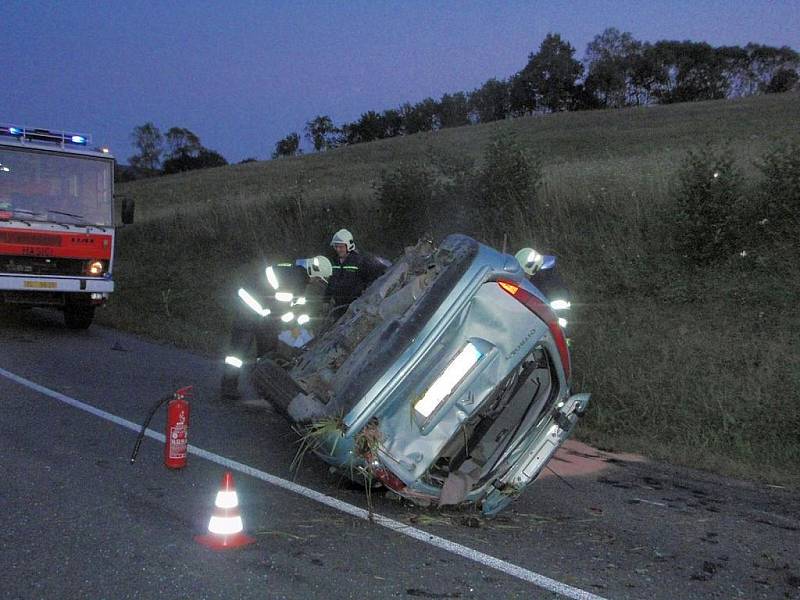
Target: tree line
(179,149)
(617,71)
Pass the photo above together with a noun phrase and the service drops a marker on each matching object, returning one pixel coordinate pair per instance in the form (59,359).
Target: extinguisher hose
(140,437)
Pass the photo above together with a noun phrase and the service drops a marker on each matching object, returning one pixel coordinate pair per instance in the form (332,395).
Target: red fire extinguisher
(177,437)
(177,433)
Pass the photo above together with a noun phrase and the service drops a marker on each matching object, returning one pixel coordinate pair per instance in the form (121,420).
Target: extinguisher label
(178,434)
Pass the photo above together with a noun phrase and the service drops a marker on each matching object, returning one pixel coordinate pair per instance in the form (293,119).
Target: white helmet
(344,237)
(319,266)
(530,260)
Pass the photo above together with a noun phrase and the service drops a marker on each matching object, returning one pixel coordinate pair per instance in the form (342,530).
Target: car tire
(274,384)
(78,317)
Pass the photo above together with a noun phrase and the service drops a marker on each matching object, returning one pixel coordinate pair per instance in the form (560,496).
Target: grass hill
(694,364)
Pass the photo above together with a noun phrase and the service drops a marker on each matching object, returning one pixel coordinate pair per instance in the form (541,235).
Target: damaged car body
(447,380)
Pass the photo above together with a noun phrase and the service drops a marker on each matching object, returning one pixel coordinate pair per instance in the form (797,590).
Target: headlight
(443,386)
(95,268)
(284,296)
(560,305)
(287,317)
(303,319)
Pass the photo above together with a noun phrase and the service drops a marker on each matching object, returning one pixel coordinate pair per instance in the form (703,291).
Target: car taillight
(389,479)
(546,314)
(384,475)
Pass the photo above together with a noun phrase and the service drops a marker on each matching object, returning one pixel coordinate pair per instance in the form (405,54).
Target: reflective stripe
(234,362)
(272,278)
(226,499)
(252,302)
(350,268)
(225,525)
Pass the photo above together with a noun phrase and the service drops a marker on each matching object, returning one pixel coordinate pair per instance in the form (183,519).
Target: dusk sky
(243,74)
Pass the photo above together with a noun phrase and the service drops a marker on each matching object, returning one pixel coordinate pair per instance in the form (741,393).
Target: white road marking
(487,560)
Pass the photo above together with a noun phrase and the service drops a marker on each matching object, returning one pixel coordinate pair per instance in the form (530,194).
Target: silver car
(447,381)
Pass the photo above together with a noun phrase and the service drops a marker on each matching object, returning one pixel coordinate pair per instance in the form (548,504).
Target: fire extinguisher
(177,434)
(177,429)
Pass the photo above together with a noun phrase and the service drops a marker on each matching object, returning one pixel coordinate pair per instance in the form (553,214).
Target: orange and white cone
(225,529)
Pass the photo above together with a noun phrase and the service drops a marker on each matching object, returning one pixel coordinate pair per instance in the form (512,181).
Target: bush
(506,187)
(784,80)
(407,197)
(204,159)
(776,216)
(446,193)
(708,223)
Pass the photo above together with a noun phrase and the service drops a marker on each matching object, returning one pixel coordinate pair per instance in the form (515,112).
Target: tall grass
(697,364)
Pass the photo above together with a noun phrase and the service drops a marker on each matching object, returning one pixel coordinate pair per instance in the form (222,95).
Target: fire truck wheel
(274,384)
(78,317)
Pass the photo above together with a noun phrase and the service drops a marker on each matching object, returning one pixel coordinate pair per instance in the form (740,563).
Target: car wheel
(274,384)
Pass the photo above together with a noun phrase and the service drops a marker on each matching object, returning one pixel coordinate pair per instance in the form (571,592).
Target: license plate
(41,285)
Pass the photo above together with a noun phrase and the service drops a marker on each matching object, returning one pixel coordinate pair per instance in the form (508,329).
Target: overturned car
(447,381)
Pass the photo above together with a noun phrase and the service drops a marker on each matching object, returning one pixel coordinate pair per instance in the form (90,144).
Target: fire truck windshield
(62,188)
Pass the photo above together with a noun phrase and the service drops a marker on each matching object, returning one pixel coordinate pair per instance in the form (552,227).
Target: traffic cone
(225,529)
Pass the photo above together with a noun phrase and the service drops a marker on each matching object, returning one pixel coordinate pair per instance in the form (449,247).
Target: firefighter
(279,322)
(542,273)
(353,272)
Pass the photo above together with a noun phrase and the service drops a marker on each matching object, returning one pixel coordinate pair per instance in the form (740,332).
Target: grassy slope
(698,366)
(640,138)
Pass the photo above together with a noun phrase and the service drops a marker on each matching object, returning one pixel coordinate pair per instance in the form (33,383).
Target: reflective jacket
(291,278)
(550,284)
(351,277)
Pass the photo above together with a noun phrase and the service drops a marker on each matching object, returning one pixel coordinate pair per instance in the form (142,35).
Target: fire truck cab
(56,222)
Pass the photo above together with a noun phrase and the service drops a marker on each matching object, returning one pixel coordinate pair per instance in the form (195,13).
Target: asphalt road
(79,521)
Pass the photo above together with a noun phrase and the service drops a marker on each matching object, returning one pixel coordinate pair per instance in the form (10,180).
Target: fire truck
(56,222)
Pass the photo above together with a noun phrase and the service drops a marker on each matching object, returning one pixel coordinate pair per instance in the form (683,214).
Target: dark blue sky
(242,74)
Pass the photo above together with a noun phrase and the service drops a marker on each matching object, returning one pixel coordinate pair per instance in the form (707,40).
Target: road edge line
(477,556)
